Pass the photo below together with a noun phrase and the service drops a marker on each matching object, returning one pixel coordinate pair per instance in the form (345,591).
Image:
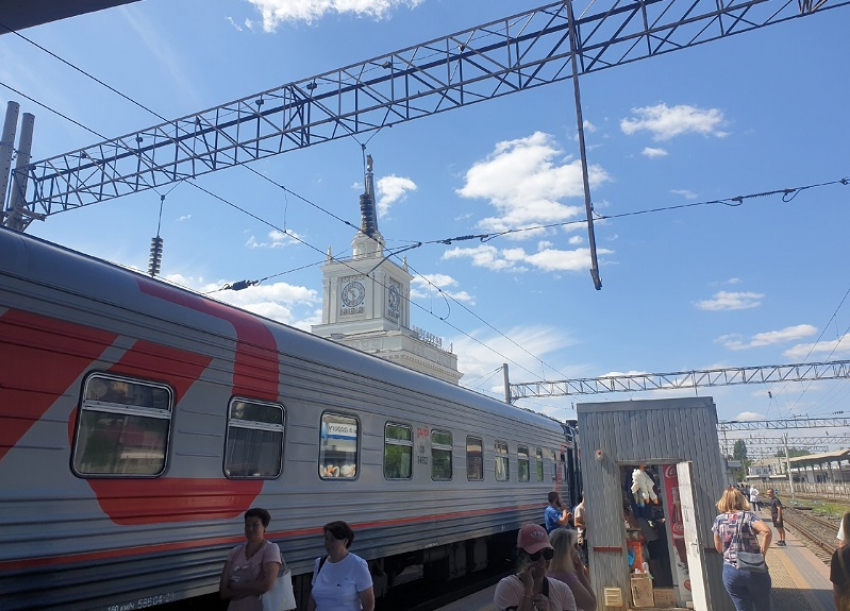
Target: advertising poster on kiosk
(677,531)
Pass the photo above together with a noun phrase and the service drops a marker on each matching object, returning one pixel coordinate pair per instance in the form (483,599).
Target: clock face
(394,298)
(353,294)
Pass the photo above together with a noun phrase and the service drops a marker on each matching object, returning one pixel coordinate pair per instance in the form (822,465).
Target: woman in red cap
(529,589)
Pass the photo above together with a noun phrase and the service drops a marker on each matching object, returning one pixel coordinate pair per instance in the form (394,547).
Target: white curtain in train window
(441,455)
(254,440)
(522,467)
(338,446)
(474,458)
(398,451)
(502,464)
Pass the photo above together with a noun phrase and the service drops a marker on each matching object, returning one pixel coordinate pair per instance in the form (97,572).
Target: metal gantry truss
(792,423)
(506,56)
(795,441)
(732,376)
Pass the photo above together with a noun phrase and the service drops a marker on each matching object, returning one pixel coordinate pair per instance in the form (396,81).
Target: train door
(694,547)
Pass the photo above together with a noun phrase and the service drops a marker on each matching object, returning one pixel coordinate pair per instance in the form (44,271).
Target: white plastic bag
(281,597)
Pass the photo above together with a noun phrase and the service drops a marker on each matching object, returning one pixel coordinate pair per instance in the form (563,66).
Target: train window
(502,466)
(554,465)
(441,455)
(474,458)
(398,451)
(522,467)
(338,446)
(123,427)
(539,465)
(254,446)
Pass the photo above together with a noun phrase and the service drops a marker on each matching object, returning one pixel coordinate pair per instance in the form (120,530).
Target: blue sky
(698,287)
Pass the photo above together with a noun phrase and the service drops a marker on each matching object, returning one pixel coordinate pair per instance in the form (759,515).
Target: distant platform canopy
(20,14)
(819,459)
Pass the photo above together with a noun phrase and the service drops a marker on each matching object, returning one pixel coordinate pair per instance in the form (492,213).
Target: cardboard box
(642,592)
(665,598)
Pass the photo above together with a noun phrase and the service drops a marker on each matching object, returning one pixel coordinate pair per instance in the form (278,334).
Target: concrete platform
(800,582)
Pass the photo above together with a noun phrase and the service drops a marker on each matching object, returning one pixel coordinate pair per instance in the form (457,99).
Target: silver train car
(139,421)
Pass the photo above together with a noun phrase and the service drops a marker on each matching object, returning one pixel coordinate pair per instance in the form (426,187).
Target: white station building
(366,302)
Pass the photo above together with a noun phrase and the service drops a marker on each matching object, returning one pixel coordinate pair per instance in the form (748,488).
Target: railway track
(817,534)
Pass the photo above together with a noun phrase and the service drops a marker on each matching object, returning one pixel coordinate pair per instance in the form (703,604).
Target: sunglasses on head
(547,553)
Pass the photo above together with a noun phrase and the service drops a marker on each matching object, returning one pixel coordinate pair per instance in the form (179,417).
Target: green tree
(792,453)
(739,450)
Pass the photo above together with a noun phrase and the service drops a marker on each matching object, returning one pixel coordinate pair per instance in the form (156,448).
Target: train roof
(62,268)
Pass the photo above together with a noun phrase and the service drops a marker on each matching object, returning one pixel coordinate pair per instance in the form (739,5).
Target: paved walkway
(800,581)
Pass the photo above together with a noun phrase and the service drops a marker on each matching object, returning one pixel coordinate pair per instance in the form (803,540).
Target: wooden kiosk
(675,442)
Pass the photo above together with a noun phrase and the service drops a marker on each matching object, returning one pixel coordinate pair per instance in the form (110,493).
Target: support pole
(7,148)
(18,199)
(588,204)
(507,383)
(788,466)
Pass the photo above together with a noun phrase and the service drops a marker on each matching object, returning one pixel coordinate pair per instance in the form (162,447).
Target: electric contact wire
(459,303)
(812,348)
(787,194)
(378,282)
(247,283)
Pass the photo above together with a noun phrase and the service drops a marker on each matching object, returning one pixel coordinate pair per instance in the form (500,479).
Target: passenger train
(138,422)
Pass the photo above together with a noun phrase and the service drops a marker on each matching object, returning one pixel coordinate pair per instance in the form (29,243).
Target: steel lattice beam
(794,441)
(502,57)
(795,423)
(766,374)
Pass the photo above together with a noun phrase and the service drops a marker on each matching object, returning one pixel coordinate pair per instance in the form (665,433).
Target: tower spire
(368,241)
(369,217)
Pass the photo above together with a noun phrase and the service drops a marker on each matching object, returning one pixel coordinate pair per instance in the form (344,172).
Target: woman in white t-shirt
(341,580)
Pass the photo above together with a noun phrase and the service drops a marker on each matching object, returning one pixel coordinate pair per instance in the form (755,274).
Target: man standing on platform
(556,515)
(776,516)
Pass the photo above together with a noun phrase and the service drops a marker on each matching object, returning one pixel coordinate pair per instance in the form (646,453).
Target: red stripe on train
(147,550)
(256,372)
(153,361)
(169,499)
(173,499)
(41,358)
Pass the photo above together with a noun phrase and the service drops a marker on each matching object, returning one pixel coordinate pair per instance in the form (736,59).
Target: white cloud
(524,180)
(275,12)
(475,360)
(518,260)
(277,239)
(684,193)
(768,338)
(748,416)
(664,122)
(392,189)
(575,240)
(234,24)
(725,300)
(185,217)
(823,349)
(588,126)
(276,300)
(429,285)
(652,153)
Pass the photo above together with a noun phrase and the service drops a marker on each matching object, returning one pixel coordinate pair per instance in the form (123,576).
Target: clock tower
(366,301)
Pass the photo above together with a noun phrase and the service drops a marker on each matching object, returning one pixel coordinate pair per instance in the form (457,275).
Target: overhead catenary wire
(377,281)
(787,194)
(240,285)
